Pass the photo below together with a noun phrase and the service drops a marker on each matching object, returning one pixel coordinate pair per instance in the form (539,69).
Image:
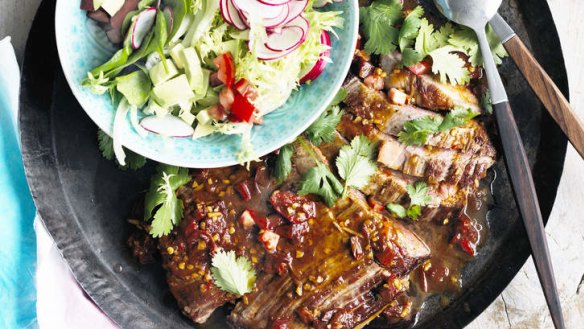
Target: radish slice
(277,21)
(142,25)
(289,37)
(167,125)
(342,1)
(265,53)
(320,3)
(257,8)
(274,2)
(224,11)
(296,9)
(234,16)
(321,64)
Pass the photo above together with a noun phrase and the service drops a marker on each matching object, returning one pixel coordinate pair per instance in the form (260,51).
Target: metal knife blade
(502,29)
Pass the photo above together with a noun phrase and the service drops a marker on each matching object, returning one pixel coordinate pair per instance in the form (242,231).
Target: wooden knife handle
(527,202)
(547,92)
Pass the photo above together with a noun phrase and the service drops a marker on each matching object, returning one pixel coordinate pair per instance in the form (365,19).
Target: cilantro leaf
(410,27)
(134,160)
(419,194)
(419,198)
(320,181)
(397,209)
(378,21)
(466,40)
(425,41)
(232,274)
(355,164)
(449,66)
(284,163)
(414,211)
(162,194)
(443,34)
(416,132)
(411,57)
(459,116)
(323,129)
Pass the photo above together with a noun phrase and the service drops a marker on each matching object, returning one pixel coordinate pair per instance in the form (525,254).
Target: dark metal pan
(84,199)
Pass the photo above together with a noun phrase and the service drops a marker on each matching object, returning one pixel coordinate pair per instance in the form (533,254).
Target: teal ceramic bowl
(83,46)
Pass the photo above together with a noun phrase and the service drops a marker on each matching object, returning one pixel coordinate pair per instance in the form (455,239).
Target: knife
(541,83)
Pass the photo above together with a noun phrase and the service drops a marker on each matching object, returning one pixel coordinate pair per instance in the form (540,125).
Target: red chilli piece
(242,108)
(295,208)
(466,235)
(226,66)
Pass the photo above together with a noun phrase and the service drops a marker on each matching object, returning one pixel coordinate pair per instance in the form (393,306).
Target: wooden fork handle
(547,92)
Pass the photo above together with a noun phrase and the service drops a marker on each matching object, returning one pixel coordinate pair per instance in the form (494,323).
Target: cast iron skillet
(84,200)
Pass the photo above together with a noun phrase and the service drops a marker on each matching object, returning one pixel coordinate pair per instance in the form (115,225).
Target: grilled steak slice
(370,109)
(430,93)
(328,281)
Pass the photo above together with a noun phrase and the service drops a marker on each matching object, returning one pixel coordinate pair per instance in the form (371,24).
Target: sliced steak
(430,93)
(371,110)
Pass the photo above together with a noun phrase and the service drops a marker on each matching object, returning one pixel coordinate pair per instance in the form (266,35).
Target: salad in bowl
(197,80)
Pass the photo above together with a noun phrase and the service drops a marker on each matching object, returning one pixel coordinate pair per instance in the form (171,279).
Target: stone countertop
(522,304)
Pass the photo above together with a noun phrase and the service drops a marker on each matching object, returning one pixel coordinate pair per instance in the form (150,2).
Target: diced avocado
(159,73)
(97,4)
(193,70)
(204,118)
(173,92)
(175,55)
(186,116)
(112,6)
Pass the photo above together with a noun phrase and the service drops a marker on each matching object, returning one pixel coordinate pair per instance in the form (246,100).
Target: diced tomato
(420,68)
(217,112)
(226,97)
(295,208)
(246,89)
(269,239)
(246,220)
(242,108)
(226,66)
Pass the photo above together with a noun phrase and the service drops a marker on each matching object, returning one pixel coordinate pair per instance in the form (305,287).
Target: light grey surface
(522,304)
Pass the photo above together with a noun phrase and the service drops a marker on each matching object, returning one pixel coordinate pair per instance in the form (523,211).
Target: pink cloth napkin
(61,303)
